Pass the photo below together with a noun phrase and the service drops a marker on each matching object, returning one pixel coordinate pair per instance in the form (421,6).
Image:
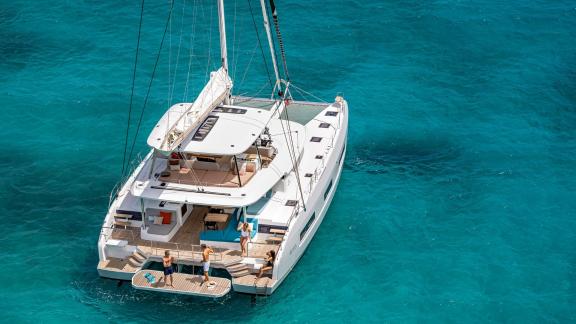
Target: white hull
(293,248)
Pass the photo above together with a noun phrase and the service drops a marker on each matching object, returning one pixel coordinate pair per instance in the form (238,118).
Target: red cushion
(166,217)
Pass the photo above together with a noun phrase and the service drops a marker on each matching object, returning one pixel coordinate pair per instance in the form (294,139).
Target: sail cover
(180,120)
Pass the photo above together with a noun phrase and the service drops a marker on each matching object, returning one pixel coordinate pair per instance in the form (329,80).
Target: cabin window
(184,209)
(328,189)
(307,226)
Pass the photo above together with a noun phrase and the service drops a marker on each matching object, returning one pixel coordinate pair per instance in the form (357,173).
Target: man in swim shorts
(167,262)
(206,260)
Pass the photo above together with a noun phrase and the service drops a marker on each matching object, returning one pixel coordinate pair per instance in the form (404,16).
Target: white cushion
(158,220)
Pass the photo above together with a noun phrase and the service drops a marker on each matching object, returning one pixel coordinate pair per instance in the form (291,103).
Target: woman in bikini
(270,256)
(167,262)
(245,238)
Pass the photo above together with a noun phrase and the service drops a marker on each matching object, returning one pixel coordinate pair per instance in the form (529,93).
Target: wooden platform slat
(185,284)
(253,281)
(240,273)
(121,223)
(237,267)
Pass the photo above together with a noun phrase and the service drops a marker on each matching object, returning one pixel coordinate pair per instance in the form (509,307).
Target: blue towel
(149,277)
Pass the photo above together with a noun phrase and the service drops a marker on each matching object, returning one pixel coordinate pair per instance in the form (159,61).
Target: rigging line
(132,90)
(151,79)
(191,53)
(124,164)
(247,68)
(177,54)
(291,150)
(302,94)
(209,45)
(169,67)
(261,48)
(234,58)
(246,99)
(276,57)
(308,93)
(286,94)
(279,36)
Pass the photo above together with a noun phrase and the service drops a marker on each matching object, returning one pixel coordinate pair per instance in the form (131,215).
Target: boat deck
(206,178)
(185,284)
(185,243)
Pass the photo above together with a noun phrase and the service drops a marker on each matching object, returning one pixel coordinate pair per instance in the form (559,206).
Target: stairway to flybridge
(184,284)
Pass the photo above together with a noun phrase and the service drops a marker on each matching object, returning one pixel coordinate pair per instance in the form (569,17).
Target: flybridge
(225,130)
(228,133)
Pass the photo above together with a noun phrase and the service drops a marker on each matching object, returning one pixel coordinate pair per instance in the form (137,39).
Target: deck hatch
(324,125)
(230,110)
(319,157)
(331,113)
(205,128)
(291,203)
(316,139)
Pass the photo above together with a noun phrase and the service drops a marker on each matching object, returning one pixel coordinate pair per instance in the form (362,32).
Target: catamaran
(219,162)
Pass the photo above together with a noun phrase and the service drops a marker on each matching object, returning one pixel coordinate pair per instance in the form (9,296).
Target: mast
(270,41)
(223,48)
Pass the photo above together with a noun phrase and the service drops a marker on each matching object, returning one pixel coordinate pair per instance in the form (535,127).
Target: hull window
(342,153)
(307,226)
(328,190)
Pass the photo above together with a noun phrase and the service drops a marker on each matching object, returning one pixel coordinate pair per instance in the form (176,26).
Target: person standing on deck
(167,261)
(245,235)
(206,260)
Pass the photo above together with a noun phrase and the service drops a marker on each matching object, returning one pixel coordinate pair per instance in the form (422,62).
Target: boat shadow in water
(416,156)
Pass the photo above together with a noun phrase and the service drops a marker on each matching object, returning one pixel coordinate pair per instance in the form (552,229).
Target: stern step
(275,239)
(134,262)
(139,257)
(237,267)
(240,273)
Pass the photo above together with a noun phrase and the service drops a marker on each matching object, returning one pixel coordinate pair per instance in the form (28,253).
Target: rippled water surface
(457,198)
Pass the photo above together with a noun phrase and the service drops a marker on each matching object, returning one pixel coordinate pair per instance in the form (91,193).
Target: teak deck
(185,284)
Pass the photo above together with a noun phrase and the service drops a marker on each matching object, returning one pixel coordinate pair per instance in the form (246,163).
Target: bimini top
(228,130)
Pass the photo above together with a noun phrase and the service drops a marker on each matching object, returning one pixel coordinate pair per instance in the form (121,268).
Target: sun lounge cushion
(166,217)
(161,229)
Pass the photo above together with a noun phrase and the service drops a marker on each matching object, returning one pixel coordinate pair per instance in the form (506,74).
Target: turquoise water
(457,199)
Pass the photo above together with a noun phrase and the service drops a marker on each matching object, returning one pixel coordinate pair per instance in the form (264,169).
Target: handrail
(183,251)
